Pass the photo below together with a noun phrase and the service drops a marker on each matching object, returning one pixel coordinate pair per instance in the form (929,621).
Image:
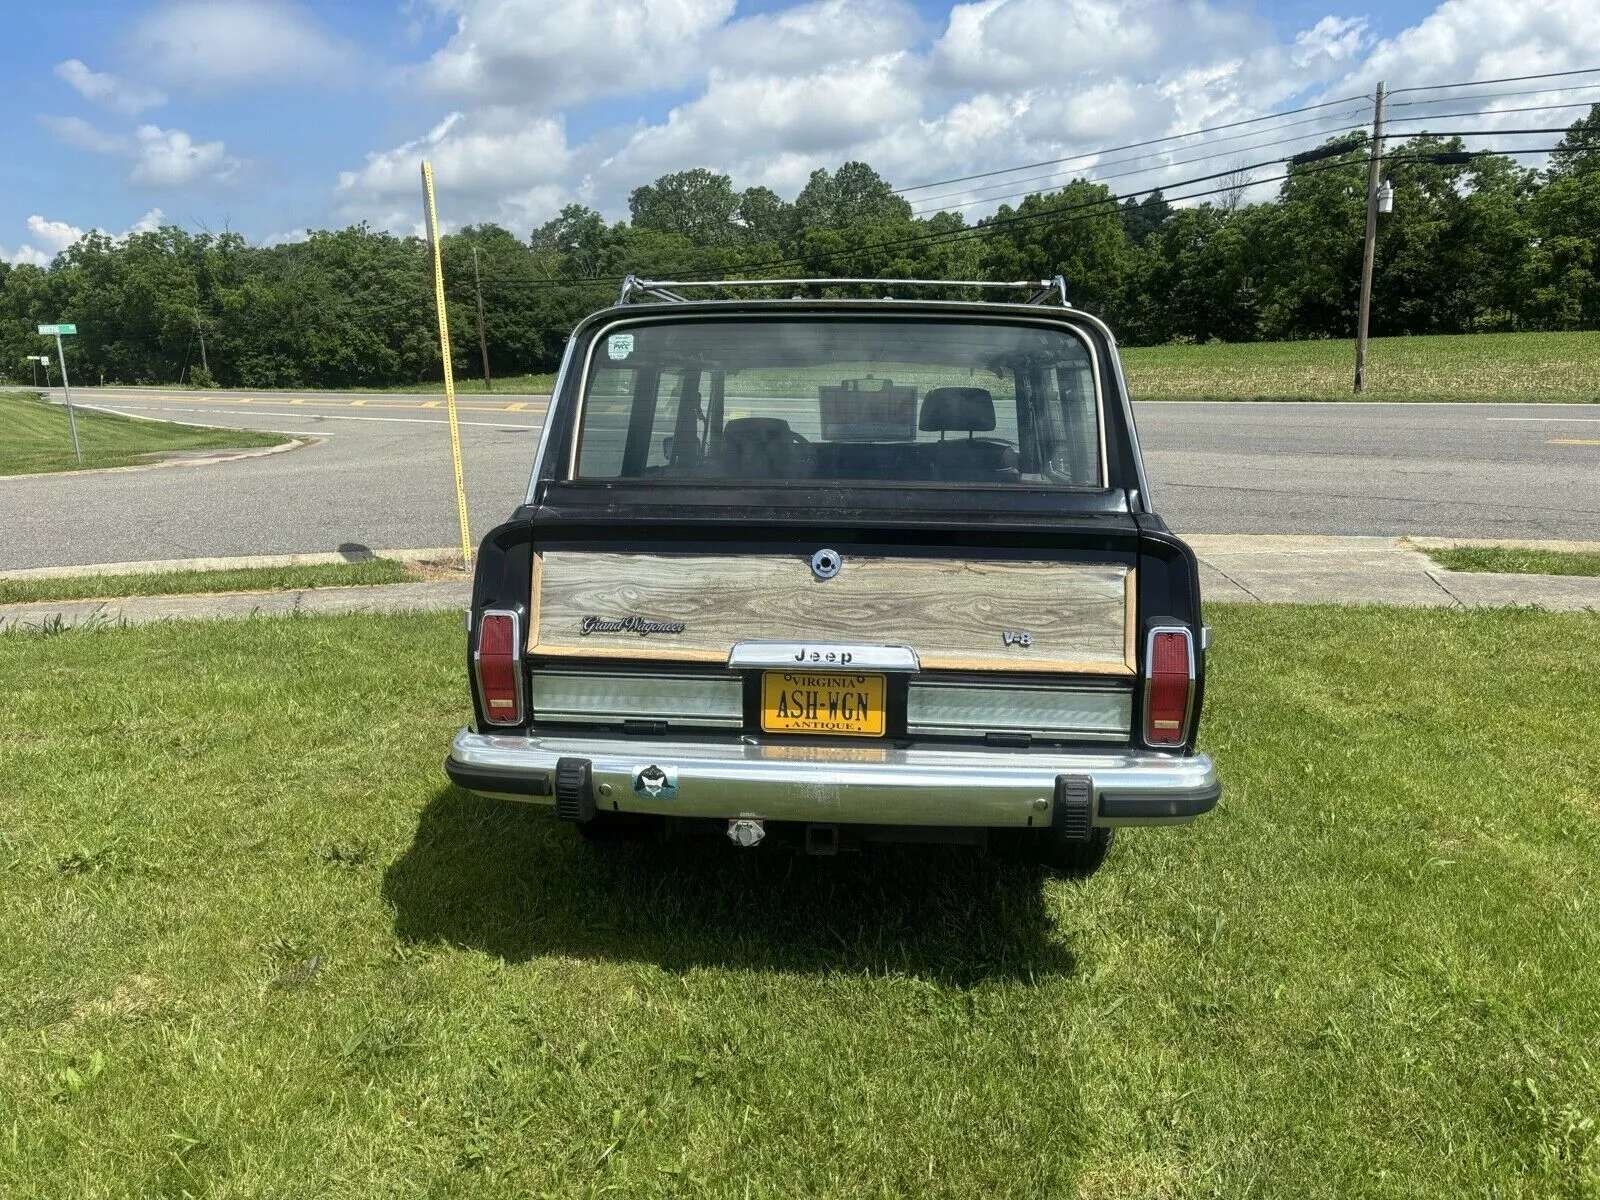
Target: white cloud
(555,53)
(25,256)
(498,162)
(816,34)
(168,158)
(218,44)
(55,236)
(114,93)
(171,158)
(77,132)
(770,97)
(152,220)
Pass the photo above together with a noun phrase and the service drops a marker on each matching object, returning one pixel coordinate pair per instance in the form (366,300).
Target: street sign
(58,330)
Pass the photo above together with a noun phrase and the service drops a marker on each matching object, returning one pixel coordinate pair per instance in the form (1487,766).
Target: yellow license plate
(823,702)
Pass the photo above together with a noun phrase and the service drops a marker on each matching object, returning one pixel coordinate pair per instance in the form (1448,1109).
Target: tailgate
(983,611)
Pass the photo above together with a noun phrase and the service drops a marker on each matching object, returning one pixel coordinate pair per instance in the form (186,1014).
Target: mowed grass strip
(35,436)
(183,583)
(1467,367)
(1502,560)
(254,945)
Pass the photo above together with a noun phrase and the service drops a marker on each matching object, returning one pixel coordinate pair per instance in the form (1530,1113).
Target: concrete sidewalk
(1283,569)
(1249,569)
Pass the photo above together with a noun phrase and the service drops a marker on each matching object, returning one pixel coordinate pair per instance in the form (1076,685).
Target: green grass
(1483,366)
(254,946)
(180,583)
(35,437)
(1517,562)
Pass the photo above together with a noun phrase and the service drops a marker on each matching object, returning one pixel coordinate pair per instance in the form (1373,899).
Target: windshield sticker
(619,346)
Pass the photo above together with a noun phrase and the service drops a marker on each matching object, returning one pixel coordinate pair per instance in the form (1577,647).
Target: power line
(1261,146)
(1107,206)
(1577,87)
(1117,162)
(1491,112)
(1173,137)
(1439,87)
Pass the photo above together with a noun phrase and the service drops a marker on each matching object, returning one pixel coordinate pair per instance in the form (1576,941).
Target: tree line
(1475,243)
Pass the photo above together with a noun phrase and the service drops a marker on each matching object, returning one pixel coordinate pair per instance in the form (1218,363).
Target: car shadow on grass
(510,880)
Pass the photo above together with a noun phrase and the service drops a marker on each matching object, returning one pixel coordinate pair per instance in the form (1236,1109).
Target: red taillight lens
(1169,679)
(499,669)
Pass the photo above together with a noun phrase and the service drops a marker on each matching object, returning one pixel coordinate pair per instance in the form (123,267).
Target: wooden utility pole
(204,365)
(1374,168)
(483,342)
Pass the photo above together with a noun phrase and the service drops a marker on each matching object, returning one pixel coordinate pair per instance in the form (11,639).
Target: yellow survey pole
(444,353)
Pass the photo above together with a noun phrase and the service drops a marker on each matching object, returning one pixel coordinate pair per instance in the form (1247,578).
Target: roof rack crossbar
(1040,290)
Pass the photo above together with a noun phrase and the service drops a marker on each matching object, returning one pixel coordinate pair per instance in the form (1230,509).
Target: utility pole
(204,365)
(483,342)
(1374,166)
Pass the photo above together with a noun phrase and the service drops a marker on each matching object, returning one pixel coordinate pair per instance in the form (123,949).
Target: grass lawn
(35,437)
(182,583)
(254,945)
(1517,562)
(1483,366)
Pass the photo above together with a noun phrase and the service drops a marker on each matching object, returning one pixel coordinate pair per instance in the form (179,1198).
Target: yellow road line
(1571,442)
(301,402)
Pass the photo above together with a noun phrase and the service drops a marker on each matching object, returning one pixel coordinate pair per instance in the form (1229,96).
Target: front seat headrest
(957,409)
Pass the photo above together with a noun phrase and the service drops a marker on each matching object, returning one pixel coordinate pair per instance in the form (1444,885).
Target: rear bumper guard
(880,785)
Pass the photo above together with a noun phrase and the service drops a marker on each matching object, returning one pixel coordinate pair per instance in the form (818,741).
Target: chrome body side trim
(826,781)
(599,698)
(969,709)
(822,656)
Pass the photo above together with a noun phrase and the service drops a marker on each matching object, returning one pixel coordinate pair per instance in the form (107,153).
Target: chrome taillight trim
(1149,672)
(516,665)
(708,701)
(1109,712)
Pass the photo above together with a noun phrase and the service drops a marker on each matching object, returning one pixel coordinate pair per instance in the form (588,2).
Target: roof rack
(1040,290)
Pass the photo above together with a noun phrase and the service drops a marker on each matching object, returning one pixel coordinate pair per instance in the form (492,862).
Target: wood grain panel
(953,611)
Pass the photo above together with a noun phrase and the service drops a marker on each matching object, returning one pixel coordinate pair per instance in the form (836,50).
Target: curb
(246,562)
(220,456)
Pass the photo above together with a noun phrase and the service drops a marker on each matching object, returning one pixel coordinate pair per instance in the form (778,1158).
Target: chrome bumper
(879,785)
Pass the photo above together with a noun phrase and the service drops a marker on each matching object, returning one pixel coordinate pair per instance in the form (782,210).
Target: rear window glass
(859,401)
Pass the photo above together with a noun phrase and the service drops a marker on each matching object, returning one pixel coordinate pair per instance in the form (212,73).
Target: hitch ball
(746,831)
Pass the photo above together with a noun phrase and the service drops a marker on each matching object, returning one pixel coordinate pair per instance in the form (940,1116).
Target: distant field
(256,945)
(36,437)
(1562,367)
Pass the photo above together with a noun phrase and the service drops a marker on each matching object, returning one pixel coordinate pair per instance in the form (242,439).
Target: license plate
(823,702)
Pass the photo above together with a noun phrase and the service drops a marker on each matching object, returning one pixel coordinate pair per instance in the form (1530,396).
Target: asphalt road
(380,475)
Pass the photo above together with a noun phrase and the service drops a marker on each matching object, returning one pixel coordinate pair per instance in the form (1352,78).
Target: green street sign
(58,330)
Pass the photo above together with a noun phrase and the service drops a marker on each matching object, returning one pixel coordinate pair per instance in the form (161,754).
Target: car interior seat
(968,410)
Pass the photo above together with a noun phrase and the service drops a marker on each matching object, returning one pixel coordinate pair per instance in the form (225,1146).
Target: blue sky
(267,116)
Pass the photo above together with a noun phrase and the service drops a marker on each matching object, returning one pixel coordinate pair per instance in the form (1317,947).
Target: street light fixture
(1386,197)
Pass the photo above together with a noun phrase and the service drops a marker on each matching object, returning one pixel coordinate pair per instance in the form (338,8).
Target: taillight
(498,661)
(1169,686)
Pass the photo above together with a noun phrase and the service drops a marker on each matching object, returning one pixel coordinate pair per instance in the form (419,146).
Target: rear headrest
(957,409)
